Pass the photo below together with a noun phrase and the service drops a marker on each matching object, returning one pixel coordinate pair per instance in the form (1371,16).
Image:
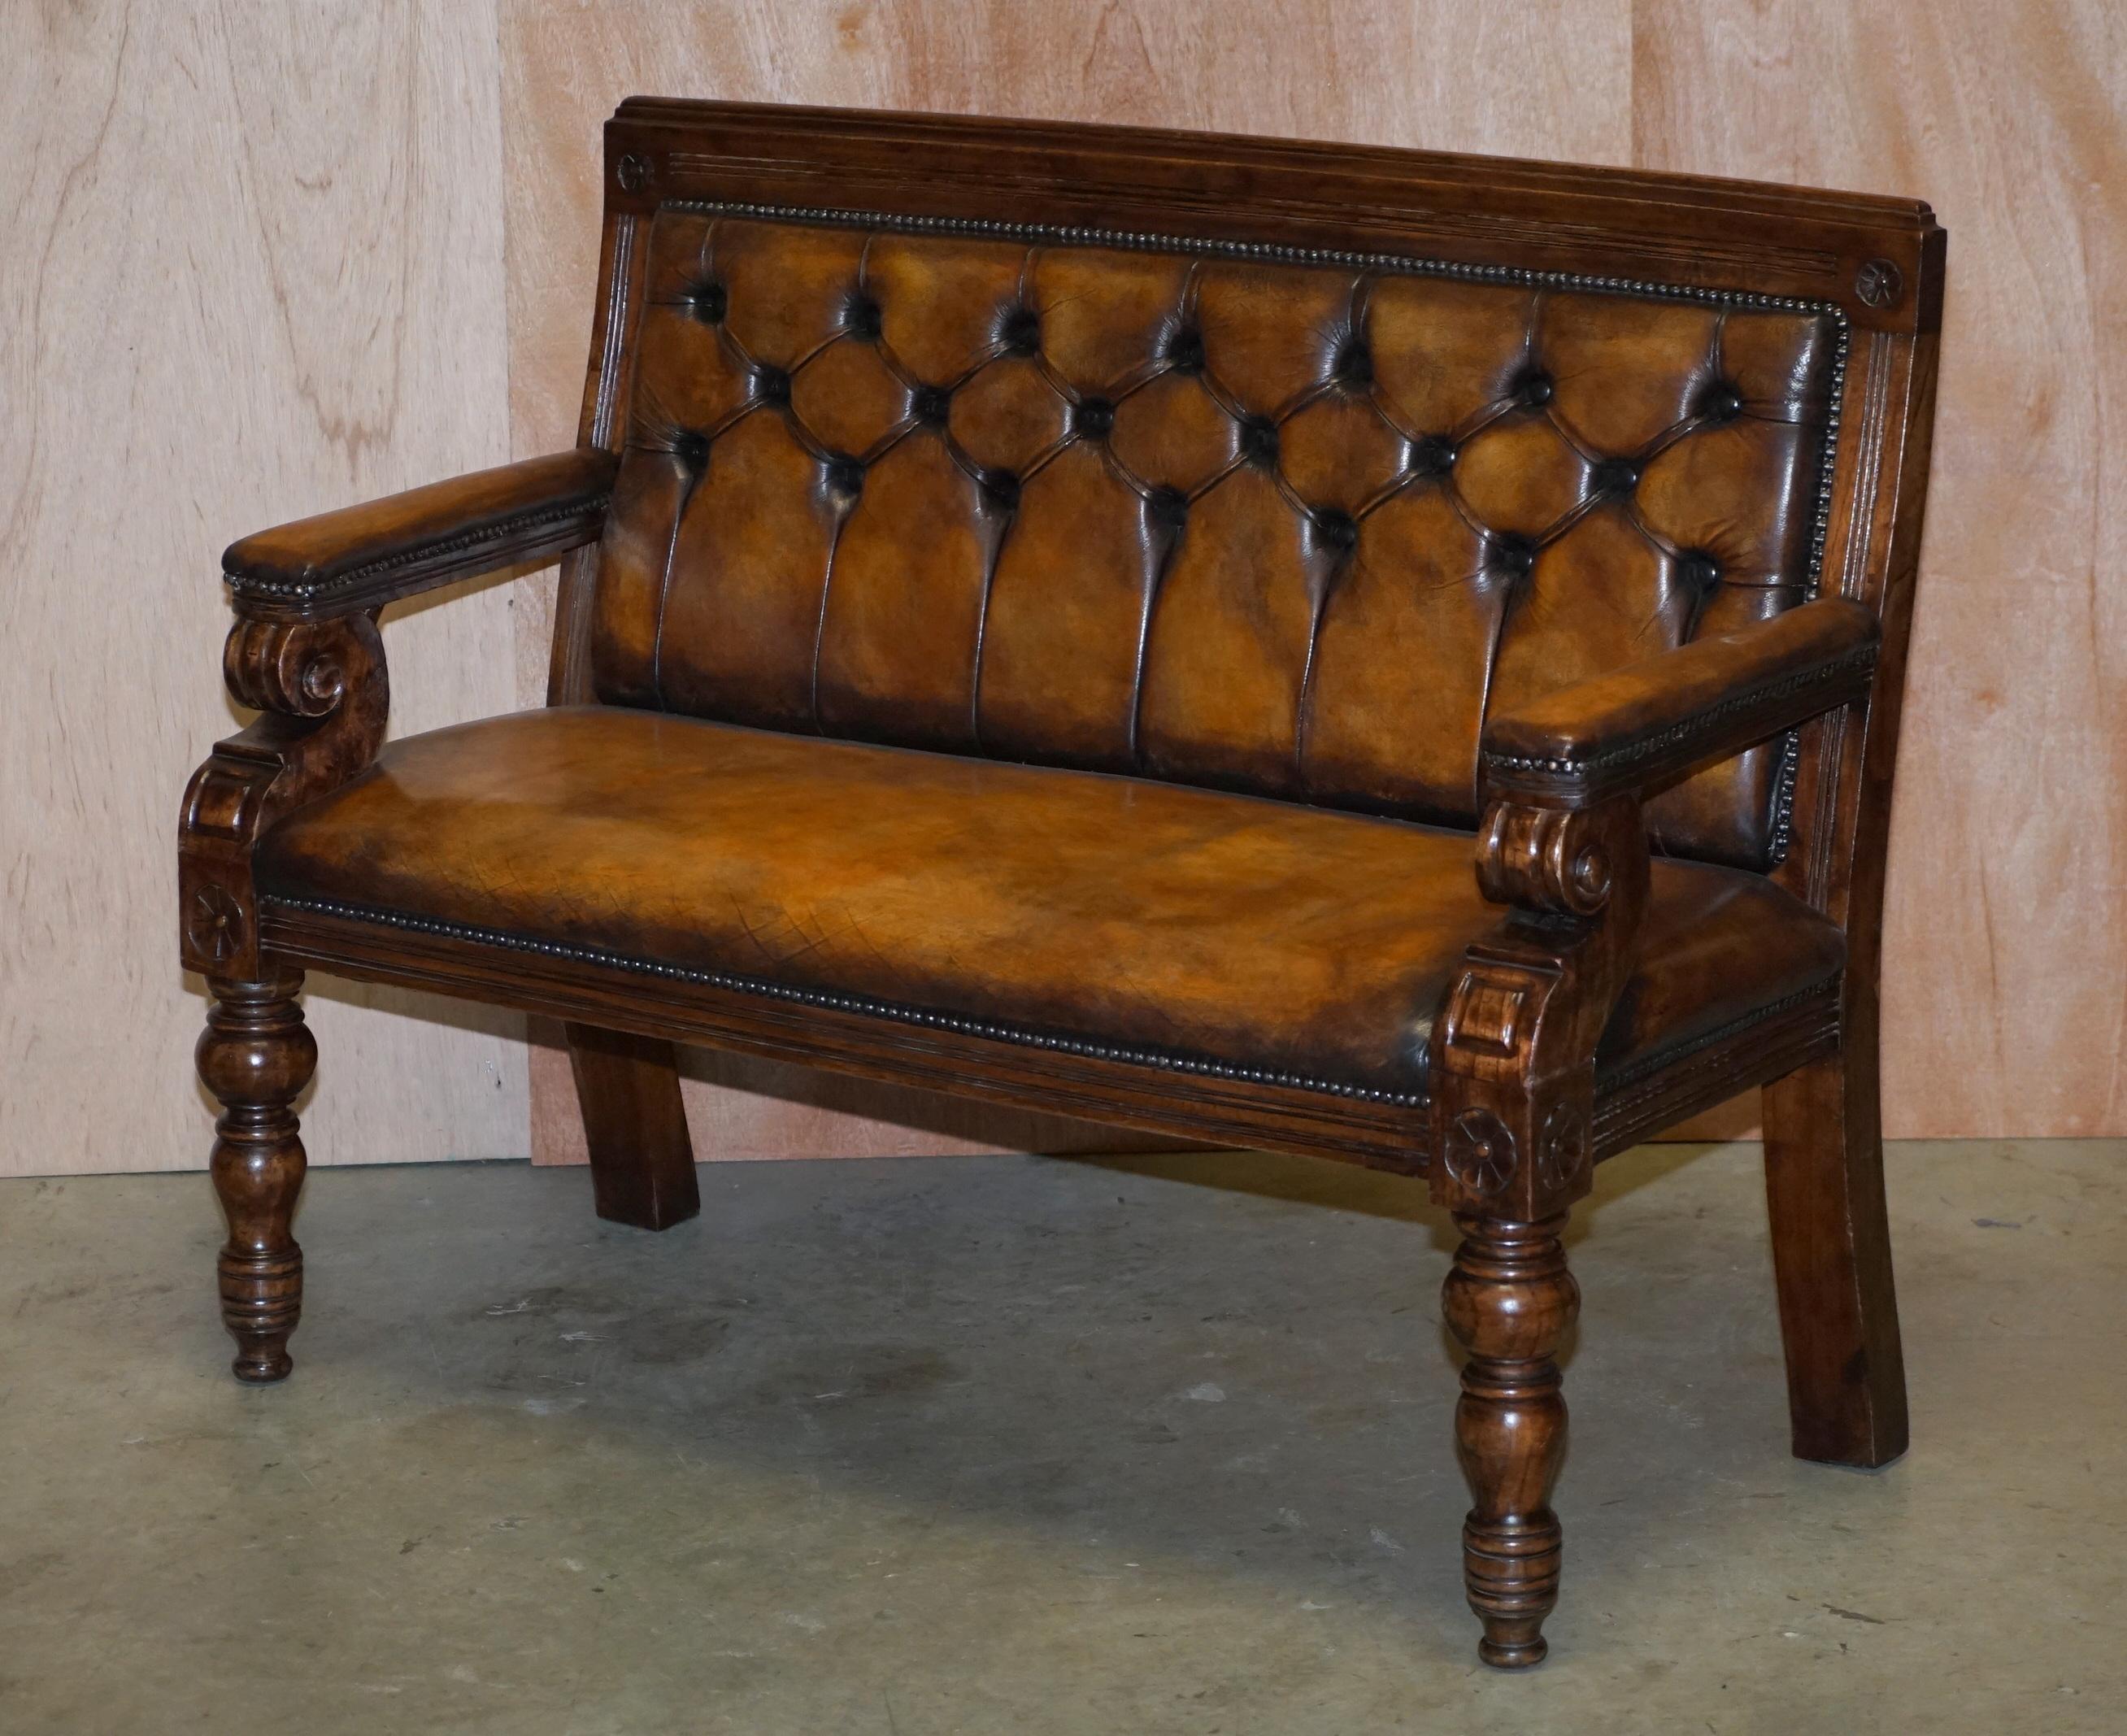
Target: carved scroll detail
(1513,1049)
(321,691)
(1549,859)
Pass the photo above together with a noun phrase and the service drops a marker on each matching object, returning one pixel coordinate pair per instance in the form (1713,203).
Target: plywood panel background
(264,259)
(2005,937)
(251,267)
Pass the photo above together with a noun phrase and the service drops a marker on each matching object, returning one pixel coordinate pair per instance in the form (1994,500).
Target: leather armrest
(1651,723)
(362,556)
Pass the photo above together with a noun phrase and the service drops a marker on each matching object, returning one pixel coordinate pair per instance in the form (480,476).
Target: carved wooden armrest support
(1563,846)
(323,696)
(1512,1061)
(1652,722)
(362,558)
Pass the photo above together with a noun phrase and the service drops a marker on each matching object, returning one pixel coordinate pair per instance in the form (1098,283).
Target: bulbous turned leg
(256,1056)
(1509,1300)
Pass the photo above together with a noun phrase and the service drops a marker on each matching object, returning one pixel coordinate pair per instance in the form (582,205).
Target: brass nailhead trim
(593,509)
(1648,747)
(996,1032)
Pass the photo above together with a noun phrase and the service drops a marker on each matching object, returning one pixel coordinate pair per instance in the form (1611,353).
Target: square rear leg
(642,1162)
(1831,1256)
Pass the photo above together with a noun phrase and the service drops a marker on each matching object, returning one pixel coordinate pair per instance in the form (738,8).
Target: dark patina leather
(1290,528)
(1136,915)
(359,556)
(1642,726)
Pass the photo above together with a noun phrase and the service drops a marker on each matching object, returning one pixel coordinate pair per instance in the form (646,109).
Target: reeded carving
(1509,1300)
(256,1056)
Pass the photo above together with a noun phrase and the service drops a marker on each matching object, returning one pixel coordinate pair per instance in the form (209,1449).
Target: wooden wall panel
(262,260)
(252,269)
(1550,80)
(2006,930)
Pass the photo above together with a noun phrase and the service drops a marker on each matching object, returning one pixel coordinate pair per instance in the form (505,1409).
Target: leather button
(706,302)
(1513,556)
(1337,529)
(1021,332)
(1700,568)
(931,403)
(1614,477)
(771,385)
(1000,490)
(1169,507)
(861,318)
(1184,349)
(1353,368)
(1092,418)
(1535,389)
(845,475)
(1720,402)
(1434,455)
(691,450)
(1258,441)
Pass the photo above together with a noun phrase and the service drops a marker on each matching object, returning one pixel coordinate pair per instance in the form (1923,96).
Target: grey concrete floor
(1013,1445)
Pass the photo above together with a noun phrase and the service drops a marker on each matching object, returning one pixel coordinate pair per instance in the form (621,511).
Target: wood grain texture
(1549,80)
(245,240)
(2004,928)
(253,271)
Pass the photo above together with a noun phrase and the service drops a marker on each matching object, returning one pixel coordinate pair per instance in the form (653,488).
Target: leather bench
(1385,656)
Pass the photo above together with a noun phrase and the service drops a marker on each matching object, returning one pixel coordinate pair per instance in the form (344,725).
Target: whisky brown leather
(360,557)
(1650,723)
(1285,527)
(1135,915)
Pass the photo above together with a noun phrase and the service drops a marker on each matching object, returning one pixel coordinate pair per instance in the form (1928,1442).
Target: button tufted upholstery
(1287,525)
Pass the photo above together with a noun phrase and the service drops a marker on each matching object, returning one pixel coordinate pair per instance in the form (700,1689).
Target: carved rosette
(1564,1148)
(1481,1154)
(216,925)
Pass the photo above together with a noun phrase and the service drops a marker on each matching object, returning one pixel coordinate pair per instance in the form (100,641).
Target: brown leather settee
(1379,654)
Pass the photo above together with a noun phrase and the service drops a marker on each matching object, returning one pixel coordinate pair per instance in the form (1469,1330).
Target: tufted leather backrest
(1283,521)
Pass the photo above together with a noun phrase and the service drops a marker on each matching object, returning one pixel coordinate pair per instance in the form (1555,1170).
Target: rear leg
(642,1162)
(1831,1256)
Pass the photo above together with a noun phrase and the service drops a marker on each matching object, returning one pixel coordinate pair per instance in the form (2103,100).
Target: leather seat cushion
(1146,917)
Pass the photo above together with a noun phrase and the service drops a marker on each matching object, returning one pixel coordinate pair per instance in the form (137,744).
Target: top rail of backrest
(1878,259)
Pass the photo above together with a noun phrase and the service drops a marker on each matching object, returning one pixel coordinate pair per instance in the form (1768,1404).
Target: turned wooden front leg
(1509,1300)
(256,1056)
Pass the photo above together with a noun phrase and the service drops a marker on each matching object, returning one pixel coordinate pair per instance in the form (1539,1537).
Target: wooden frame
(1517,1113)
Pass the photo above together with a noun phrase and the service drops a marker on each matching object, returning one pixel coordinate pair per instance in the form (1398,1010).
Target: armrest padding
(360,557)
(1651,723)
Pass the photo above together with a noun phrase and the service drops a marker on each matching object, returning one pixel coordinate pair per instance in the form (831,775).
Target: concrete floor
(1011,1445)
